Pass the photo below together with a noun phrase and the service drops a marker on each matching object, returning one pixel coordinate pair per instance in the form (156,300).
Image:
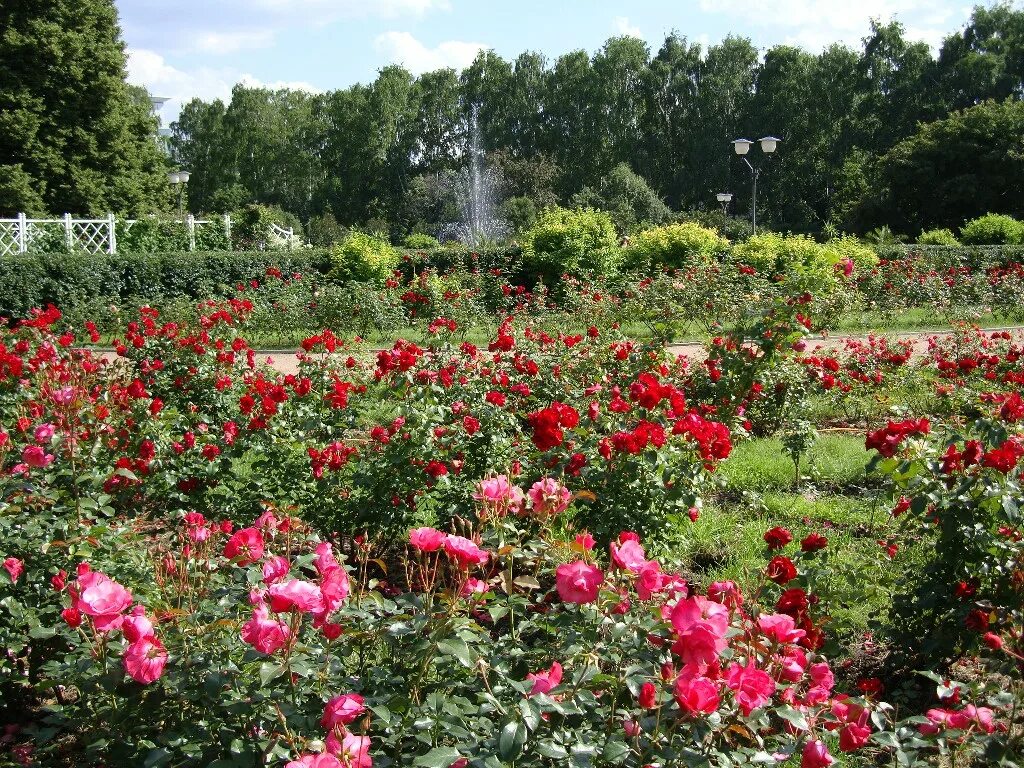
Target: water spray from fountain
(477,190)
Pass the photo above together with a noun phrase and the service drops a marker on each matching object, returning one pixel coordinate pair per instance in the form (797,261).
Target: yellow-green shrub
(675,245)
(567,241)
(363,257)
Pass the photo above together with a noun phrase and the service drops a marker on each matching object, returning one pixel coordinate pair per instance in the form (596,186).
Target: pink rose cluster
(107,606)
(463,552)
(268,629)
(343,749)
(498,497)
(766,666)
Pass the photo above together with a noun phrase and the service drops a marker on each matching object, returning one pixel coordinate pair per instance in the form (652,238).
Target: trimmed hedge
(36,279)
(30,280)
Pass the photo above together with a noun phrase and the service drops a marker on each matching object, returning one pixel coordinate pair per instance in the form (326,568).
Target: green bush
(420,241)
(563,240)
(937,237)
(363,257)
(675,245)
(36,279)
(993,229)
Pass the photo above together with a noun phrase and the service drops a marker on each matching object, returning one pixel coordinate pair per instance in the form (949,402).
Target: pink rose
(426,539)
(499,496)
(145,659)
(35,456)
(549,497)
(275,569)
(463,551)
(263,633)
(103,599)
(136,625)
(629,556)
(815,755)
(334,587)
(752,687)
(325,560)
(297,594)
(853,737)
(649,580)
(355,751)
(245,546)
(696,694)
(701,626)
(583,542)
(44,433)
(14,568)
(578,582)
(543,682)
(780,628)
(474,587)
(342,710)
(319,760)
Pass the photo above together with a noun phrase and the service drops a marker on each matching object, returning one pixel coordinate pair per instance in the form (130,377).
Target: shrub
(324,230)
(937,237)
(675,245)
(993,229)
(561,240)
(363,257)
(420,241)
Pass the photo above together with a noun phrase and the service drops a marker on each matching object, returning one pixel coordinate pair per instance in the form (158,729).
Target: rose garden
(458,431)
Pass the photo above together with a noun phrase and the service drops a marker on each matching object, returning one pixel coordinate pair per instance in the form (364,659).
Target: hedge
(30,280)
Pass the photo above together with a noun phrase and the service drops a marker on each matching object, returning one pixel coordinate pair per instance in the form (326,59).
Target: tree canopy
(74,136)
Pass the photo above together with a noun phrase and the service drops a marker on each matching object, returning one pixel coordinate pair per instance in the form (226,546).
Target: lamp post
(179,179)
(742,147)
(724,198)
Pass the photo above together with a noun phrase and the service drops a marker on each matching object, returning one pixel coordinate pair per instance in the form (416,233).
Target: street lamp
(742,146)
(724,198)
(179,179)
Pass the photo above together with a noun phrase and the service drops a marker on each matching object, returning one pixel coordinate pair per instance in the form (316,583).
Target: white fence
(99,235)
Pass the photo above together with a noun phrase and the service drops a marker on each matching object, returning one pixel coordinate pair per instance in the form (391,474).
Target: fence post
(112,243)
(69,233)
(191,232)
(22,233)
(227,229)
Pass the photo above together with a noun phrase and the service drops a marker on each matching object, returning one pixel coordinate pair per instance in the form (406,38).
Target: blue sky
(185,48)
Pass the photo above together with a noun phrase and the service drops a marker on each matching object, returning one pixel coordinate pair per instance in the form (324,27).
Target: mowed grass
(839,501)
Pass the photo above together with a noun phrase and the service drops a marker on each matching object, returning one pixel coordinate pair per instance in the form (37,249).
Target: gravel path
(286,362)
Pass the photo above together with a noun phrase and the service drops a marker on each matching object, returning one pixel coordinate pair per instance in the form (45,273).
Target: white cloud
(623,27)
(815,24)
(402,48)
(232,42)
(151,70)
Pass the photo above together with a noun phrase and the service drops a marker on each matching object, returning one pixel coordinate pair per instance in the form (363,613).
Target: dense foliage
(74,137)
(630,129)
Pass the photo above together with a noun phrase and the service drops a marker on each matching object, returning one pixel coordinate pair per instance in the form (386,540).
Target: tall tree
(72,137)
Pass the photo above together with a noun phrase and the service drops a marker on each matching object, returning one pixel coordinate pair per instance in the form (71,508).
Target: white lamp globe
(769,144)
(174,177)
(742,146)
(184,175)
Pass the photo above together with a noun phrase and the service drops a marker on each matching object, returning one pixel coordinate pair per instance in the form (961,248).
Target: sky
(185,48)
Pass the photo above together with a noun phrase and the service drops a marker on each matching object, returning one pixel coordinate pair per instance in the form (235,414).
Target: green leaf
(269,670)
(453,646)
(438,757)
(615,751)
(512,740)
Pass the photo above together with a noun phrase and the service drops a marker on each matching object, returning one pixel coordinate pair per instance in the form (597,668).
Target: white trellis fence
(98,235)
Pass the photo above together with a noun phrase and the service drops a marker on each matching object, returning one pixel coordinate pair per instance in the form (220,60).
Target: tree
(72,136)
(951,170)
(627,198)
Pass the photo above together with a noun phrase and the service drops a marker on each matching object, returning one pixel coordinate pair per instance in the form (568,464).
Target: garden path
(286,362)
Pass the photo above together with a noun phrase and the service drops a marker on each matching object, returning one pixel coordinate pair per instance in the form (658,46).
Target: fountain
(476,189)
